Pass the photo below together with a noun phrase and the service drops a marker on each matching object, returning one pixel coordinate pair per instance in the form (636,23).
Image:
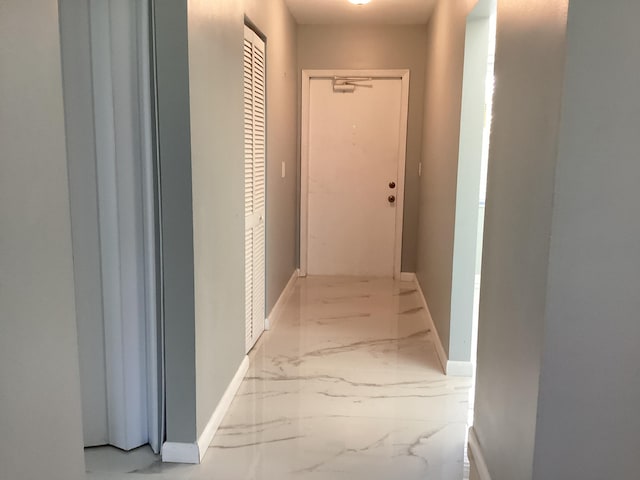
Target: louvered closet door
(254,184)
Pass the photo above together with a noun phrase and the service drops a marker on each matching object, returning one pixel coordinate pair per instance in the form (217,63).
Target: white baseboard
(276,311)
(450,367)
(407,276)
(459,369)
(174,452)
(442,354)
(221,410)
(476,456)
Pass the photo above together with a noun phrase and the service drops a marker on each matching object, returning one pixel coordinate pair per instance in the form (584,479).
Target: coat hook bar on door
(349,84)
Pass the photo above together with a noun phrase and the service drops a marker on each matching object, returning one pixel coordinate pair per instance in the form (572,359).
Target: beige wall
(85,231)
(557,388)
(215,88)
(588,422)
(437,200)
(529,70)
(216,31)
(378,47)
(40,415)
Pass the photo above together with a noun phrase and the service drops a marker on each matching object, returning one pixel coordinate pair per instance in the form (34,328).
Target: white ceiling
(397,12)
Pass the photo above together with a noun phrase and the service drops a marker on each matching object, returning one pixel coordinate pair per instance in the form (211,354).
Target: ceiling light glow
(359,2)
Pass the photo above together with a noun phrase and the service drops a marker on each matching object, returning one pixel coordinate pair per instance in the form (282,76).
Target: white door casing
(255,184)
(353,146)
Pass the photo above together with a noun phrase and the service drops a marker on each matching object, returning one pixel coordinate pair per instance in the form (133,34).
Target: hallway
(347,385)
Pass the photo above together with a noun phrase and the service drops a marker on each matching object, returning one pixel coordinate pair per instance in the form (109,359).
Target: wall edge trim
(459,369)
(276,311)
(177,452)
(476,456)
(221,410)
(442,354)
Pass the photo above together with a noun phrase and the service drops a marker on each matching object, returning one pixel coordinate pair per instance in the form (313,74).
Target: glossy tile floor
(347,385)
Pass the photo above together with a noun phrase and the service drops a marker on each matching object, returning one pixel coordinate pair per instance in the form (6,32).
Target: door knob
(392,198)
(392,184)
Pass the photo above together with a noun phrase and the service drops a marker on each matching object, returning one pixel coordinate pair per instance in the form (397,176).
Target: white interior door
(118,335)
(354,149)
(119,175)
(255,184)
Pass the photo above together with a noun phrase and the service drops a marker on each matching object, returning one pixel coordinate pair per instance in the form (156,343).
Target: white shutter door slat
(259,100)
(254,85)
(258,278)
(248,134)
(248,249)
(248,189)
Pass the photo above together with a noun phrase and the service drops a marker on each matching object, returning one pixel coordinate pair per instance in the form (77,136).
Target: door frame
(307,76)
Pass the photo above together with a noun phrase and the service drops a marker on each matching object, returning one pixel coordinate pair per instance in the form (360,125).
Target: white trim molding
(407,277)
(174,452)
(276,311)
(459,369)
(476,457)
(442,354)
(221,410)
(451,368)
(307,75)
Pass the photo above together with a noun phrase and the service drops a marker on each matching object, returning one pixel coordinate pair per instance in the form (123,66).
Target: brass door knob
(392,198)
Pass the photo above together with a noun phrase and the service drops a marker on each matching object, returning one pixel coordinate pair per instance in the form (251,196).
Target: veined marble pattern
(347,385)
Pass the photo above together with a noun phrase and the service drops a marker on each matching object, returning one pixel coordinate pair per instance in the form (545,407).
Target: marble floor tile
(115,461)
(346,385)
(339,447)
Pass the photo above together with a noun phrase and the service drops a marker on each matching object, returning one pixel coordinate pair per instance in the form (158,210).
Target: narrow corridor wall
(174,156)
(466,249)
(215,33)
(437,200)
(83,196)
(215,87)
(588,422)
(39,371)
(529,72)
